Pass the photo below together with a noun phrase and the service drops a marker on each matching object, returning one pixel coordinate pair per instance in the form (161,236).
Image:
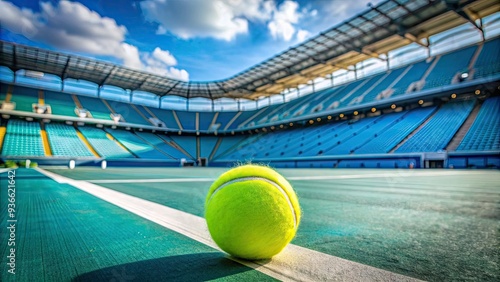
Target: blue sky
(197,40)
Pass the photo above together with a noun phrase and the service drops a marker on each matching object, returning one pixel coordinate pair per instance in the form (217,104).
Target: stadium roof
(382,28)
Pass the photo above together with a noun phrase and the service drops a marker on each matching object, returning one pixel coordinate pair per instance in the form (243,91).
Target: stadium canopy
(390,25)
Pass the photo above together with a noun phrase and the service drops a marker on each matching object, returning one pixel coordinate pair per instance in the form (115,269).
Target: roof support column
(99,91)
(130,95)
(213,106)
(428,47)
(187,104)
(313,86)
(239,105)
(159,102)
(331,79)
(481,29)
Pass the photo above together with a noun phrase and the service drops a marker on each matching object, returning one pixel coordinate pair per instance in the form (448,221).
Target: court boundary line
(295,263)
(298,178)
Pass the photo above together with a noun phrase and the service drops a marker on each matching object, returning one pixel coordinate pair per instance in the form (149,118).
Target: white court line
(293,264)
(408,173)
(159,180)
(5,170)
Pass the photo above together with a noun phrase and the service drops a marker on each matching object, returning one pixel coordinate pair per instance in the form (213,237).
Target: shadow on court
(192,267)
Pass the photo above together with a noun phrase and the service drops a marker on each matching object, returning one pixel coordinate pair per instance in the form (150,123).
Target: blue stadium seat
(23,139)
(384,141)
(484,134)
(437,133)
(102,144)
(64,141)
(135,144)
(488,61)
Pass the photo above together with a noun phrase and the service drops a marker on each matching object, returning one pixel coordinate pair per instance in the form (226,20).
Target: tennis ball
(252,212)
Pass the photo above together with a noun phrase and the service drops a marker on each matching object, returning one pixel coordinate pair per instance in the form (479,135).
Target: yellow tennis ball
(252,212)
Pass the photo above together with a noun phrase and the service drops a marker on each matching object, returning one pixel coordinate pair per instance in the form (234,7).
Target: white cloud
(72,26)
(285,17)
(130,56)
(164,56)
(221,19)
(302,35)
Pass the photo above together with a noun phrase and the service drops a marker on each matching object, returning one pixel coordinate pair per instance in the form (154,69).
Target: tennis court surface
(142,224)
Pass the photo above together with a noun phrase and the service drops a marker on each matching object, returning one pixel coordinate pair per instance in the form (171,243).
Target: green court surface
(65,234)
(437,225)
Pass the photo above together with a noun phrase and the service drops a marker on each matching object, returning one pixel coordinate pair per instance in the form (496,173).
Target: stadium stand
(60,103)
(437,133)
(325,100)
(187,143)
(166,116)
(223,118)
(488,61)
(161,145)
(484,135)
(283,131)
(374,94)
(64,141)
(205,119)
(96,107)
(136,145)
(448,66)
(362,86)
(413,73)
(207,144)
(226,145)
(104,146)
(240,118)
(383,142)
(359,138)
(24,98)
(187,119)
(23,138)
(128,113)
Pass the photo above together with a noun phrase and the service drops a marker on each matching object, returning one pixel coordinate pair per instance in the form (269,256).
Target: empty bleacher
(166,116)
(23,139)
(384,141)
(187,119)
(438,132)
(64,141)
(484,135)
(488,61)
(448,66)
(205,119)
(207,144)
(128,113)
(104,146)
(161,145)
(413,74)
(136,145)
(96,107)
(188,143)
(60,103)
(24,98)
(367,133)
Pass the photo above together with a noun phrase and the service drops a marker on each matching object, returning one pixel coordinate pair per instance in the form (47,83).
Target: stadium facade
(440,110)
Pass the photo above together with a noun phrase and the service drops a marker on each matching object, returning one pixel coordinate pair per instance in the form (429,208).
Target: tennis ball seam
(276,185)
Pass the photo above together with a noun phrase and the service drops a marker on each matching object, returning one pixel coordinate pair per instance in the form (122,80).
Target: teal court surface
(146,224)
